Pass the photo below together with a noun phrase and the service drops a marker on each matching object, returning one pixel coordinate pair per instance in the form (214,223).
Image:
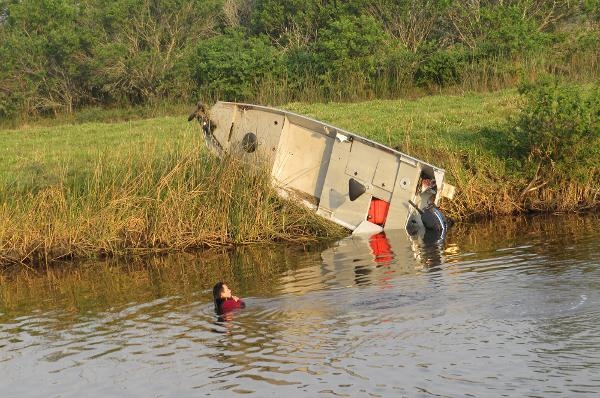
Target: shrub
(559,128)
(505,32)
(231,67)
(349,50)
(397,71)
(440,68)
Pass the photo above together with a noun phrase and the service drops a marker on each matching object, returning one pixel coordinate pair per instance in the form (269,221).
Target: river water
(503,308)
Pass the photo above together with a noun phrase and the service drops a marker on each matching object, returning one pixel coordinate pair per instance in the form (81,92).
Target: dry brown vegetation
(145,205)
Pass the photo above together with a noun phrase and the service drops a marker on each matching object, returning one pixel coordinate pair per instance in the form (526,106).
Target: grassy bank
(87,190)
(147,186)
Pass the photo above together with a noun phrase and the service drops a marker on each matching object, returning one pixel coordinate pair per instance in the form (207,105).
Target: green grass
(37,157)
(448,120)
(78,143)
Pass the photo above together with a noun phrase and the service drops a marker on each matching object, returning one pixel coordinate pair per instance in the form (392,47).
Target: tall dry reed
(486,188)
(151,202)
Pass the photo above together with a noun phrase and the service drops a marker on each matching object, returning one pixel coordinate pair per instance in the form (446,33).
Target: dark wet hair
(217,290)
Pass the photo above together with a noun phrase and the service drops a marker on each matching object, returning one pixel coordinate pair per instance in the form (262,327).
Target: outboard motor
(433,220)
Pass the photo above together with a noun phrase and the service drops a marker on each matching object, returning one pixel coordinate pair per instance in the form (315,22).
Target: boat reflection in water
(364,259)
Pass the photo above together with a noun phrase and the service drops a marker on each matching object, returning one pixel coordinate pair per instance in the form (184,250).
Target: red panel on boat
(378,211)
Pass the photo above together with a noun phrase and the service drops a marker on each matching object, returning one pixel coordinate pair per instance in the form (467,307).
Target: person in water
(224,300)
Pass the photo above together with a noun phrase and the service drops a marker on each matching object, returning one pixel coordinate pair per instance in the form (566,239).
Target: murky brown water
(508,308)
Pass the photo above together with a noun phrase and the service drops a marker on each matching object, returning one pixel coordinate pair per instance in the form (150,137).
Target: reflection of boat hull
(355,182)
(363,259)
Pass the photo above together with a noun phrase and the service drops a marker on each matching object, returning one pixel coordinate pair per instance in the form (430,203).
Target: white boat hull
(344,177)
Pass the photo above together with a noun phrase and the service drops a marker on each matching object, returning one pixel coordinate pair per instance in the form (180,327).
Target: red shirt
(230,305)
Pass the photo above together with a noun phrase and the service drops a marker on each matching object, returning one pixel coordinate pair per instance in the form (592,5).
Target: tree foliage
(62,55)
(559,128)
(46,49)
(232,66)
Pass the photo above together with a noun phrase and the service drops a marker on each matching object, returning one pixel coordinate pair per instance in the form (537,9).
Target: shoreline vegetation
(95,190)
(148,202)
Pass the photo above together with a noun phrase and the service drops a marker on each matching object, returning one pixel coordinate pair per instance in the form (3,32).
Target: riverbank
(128,189)
(149,186)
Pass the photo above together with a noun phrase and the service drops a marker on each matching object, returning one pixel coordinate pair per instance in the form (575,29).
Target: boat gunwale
(338,129)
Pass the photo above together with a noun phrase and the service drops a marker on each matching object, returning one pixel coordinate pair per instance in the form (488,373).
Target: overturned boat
(355,182)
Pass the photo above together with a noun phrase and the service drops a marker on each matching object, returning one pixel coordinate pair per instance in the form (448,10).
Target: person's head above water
(221,291)
(224,300)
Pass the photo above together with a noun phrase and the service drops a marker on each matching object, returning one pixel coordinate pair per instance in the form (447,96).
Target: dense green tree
(142,51)
(350,50)
(233,66)
(293,23)
(492,27)
(439,68)
(47,51)
(61,55)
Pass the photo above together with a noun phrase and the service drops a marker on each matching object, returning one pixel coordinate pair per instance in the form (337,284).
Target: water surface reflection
(503,308)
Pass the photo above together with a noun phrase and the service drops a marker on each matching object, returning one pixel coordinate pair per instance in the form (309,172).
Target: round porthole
(405,183)
(249,142)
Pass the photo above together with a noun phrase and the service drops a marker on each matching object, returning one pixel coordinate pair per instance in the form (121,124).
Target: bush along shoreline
(549,153)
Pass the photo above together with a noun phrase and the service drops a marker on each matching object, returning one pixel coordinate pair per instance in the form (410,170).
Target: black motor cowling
(433,219)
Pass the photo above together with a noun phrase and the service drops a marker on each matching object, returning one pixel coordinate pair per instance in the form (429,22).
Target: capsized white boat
(355,182)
